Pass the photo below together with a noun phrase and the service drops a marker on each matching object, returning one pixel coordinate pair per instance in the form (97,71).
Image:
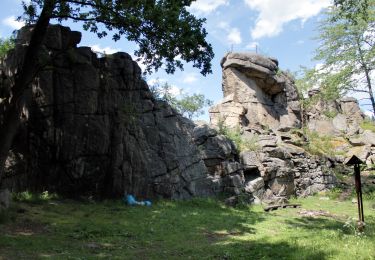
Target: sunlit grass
(196,229)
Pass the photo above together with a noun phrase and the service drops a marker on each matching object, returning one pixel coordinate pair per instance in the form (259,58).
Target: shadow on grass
(311,223)
(261,249)
(322,223)
(196,229)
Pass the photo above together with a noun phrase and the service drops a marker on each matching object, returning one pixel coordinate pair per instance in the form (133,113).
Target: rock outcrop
(262,101)
(257,94)
(94,127)
(333,117)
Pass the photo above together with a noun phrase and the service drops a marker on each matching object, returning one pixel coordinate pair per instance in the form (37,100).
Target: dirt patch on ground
(24,227)
(218,235)
(316,213)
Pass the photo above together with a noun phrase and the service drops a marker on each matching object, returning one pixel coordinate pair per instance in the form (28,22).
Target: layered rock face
(262,103)
(257,94)
(93,126)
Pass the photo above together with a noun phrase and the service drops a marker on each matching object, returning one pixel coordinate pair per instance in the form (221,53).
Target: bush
(321,145)
(242,143)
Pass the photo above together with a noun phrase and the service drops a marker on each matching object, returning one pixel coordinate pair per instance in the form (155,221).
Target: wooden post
(354,160)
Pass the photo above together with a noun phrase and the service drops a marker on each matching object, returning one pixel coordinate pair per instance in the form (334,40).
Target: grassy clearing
(196,229)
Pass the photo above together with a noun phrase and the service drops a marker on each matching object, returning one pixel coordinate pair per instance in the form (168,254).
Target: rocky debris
(93,127)
(256,94)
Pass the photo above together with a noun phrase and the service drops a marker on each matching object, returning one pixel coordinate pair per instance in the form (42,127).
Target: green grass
(368,124)
(196,229)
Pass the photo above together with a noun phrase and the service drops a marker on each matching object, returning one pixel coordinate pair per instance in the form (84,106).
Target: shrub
(242,143)
(321,145)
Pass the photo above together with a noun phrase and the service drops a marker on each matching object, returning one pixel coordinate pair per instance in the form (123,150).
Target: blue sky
(279,28)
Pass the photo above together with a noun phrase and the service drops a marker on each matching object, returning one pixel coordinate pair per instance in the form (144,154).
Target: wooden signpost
(354,160)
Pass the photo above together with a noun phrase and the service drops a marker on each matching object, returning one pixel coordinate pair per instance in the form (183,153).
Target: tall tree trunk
(369,85)
(367,74)
(23,79)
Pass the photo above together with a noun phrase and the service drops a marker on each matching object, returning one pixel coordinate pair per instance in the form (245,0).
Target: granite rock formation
(93,127)
(262,101)
(257,94)
(334,117)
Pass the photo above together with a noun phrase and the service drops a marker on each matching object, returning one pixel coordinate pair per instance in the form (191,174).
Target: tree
(163,30)
(5,46)
(346,47)
(188,105)
(192,105)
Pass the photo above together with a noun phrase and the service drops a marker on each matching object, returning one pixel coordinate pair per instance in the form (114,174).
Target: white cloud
(106,50)
(252,45)
(12,22)
(234,36)
(299,42)
(206,6)
(190,78)
(274,14)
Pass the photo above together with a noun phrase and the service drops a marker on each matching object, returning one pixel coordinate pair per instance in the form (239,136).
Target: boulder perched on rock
(256,94)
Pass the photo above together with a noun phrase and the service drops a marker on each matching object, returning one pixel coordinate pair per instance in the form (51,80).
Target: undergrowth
(321,145)
(243,143)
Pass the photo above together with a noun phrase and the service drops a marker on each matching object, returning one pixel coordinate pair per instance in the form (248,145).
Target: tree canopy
(164,30)
(346,50)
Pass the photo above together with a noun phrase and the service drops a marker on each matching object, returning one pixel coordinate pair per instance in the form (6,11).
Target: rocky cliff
(93,127)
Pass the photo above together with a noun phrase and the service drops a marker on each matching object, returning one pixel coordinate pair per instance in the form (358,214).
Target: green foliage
(346,50)
(193,229)
(192,105)
(163,30)
(368,124)
(188,105)
(27,196)
(321,145)
(330,113)
(5,46)
(243,143)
